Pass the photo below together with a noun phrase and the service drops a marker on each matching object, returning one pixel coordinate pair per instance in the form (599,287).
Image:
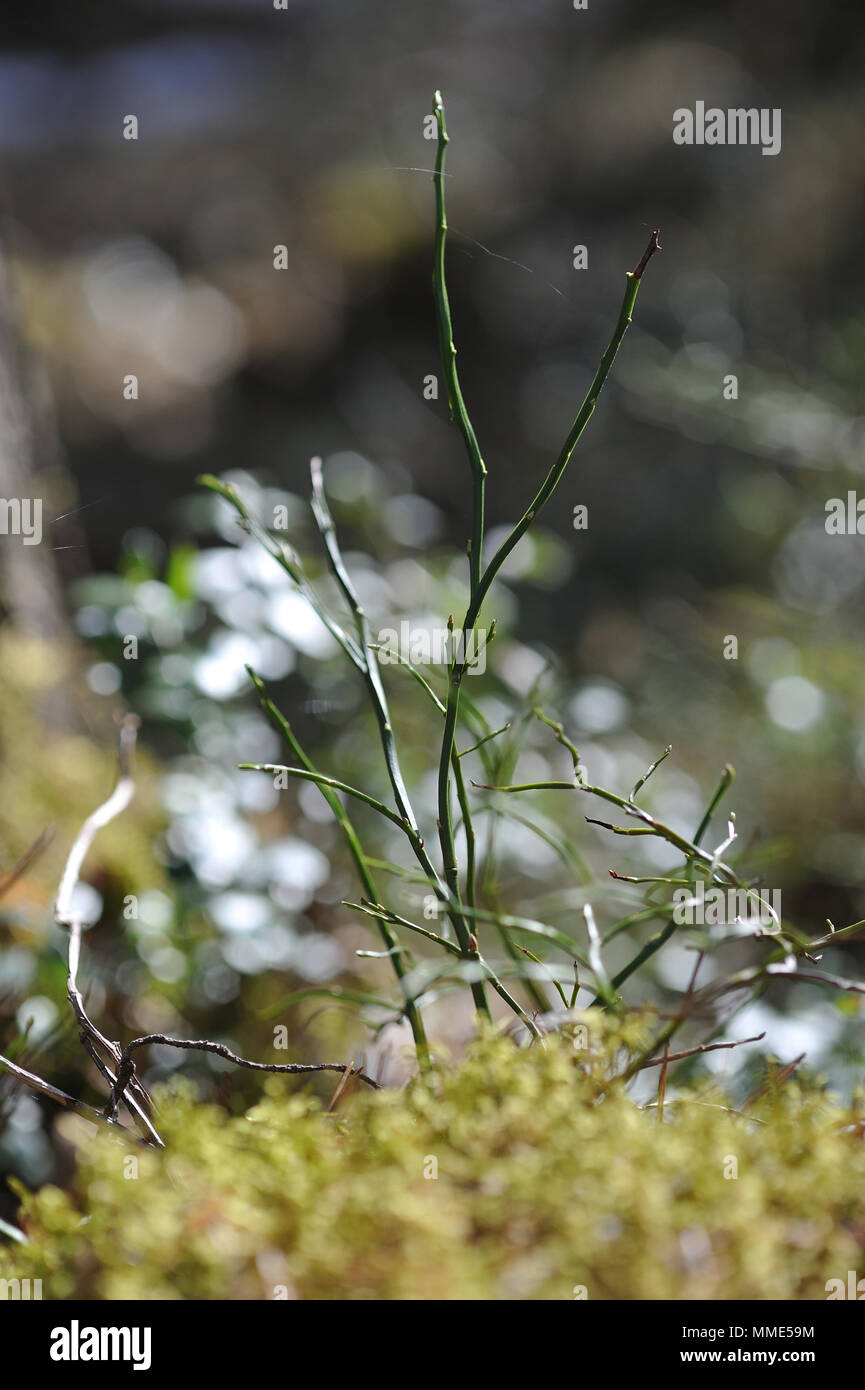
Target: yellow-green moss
(53,777)
(546,1181)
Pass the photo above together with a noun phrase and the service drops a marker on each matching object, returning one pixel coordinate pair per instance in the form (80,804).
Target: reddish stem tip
(653,246)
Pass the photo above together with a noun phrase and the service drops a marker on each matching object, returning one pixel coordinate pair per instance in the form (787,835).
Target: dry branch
(115,1065)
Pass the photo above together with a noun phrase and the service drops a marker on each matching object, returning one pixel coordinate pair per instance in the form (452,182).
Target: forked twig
(68,1102)
(138,1101)
(121,1078)
(126,1071)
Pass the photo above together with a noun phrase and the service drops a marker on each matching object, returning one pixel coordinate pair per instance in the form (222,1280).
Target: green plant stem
(448,892)
(506,754)
(468,827)
(473,955)
(529,925)
(654,944)
(361,863)
(688,848)
(545,968)
(532,986)
(369,669)
(449,355)
(287,561)
(553,478)
(323,781)
(480,589)
(374,909)
(727,777)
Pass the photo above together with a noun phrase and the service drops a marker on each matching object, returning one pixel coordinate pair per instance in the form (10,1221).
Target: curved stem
(400,962)
(458,410)
(484,582)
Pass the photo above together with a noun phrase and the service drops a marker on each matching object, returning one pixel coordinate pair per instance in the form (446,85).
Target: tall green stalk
(481,579)
(458,899)
(400,958)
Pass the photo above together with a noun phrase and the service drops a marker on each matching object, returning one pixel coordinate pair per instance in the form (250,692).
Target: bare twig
(123,1082)
(773,1082)
(117,802)
(344,1082)
(653,246)
(126,1071)
(693,1051)
(68,1102)
(662,1084)
(138,1101)
(26,860)
(831,981)
(89,1033)
(708,1105)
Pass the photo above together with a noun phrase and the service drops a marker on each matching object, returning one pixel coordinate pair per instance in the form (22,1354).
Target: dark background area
(261,127)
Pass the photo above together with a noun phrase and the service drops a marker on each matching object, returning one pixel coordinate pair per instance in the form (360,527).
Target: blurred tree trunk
(31,588)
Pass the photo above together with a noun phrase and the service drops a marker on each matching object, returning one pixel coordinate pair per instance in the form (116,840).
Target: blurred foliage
(52,779)
(508,1179)
(304,128)
(59,763)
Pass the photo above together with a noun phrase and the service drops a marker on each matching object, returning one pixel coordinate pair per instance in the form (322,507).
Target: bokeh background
(215,900)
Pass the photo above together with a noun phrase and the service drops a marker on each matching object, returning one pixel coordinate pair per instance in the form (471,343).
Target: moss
(547,1178)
